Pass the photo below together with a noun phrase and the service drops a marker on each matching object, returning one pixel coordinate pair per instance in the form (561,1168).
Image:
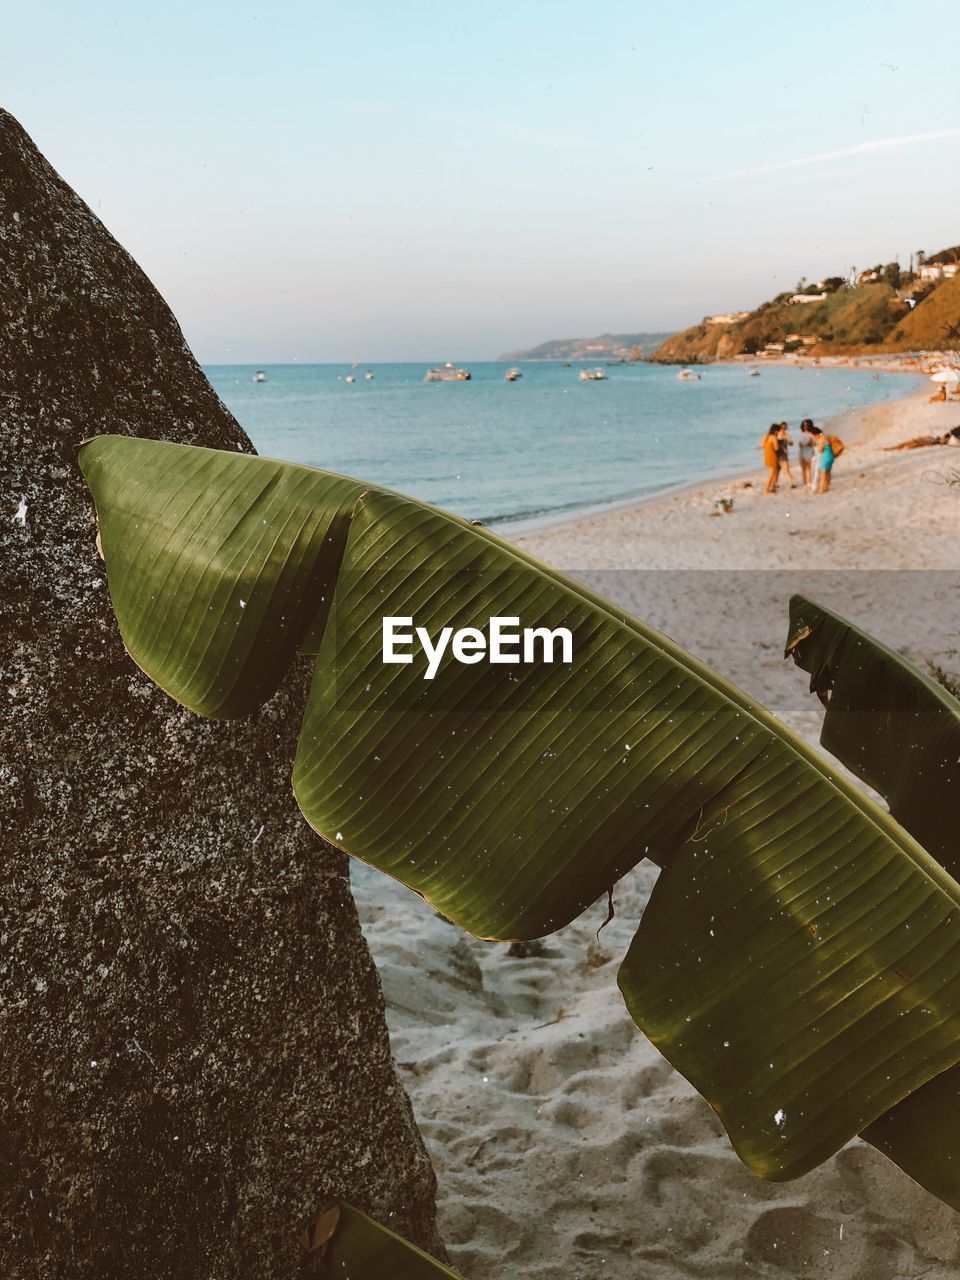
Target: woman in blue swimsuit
(825,449)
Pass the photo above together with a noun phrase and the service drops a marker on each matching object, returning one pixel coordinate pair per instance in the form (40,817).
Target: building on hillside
(807,297)
(729,317)
(867,277)
(939,270)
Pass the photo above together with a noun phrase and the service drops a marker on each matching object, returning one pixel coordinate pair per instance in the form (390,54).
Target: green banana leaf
(890,723)
(797,959)
(899,730)
(344,1243)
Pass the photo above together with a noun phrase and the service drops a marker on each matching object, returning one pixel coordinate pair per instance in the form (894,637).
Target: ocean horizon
(545,448)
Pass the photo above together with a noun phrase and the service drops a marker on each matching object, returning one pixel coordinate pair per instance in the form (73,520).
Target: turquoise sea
(542,447)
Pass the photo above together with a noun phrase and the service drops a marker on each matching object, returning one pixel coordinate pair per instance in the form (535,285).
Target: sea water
(544,447)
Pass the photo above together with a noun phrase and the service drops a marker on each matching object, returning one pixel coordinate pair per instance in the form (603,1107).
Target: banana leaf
(890,723)
(899,730)
(797,959)
(342,1242)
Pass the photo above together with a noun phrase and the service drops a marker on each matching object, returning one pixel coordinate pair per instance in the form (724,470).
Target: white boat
(259,376)
(592,375)
(512,375)
(350,378)
(753,373)
(687,375)
(447,373)
(368,376)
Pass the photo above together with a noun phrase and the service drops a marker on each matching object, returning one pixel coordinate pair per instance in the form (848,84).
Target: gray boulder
(193,1054)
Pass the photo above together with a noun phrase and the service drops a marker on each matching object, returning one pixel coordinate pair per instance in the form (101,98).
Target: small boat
(447,373)
(259,376)
(512,375)
(350,378)
(368,376)
(687,375)
(592,375)
(753,373)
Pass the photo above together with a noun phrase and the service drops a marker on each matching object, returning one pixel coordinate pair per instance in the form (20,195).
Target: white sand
(565,1146)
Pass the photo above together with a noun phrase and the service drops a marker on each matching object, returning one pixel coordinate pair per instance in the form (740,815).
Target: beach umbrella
(945,375)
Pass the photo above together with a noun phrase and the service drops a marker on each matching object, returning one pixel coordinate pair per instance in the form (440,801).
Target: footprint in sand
(474,1222)
(810,1244)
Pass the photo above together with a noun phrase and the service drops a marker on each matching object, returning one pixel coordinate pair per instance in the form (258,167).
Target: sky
(420,181)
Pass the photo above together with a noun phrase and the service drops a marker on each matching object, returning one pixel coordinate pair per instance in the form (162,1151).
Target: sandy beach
(564,1144)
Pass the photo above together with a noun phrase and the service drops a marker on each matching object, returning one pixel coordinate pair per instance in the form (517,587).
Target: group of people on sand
(817,454)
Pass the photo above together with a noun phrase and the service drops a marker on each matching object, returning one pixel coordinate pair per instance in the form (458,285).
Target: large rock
(193,1053)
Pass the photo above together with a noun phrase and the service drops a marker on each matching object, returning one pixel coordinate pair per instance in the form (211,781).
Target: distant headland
(606,346)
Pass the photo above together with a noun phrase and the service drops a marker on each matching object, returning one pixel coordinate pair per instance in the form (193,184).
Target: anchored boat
(447,373)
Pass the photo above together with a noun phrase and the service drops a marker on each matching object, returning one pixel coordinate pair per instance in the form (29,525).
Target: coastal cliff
(194,1054)
(869,318)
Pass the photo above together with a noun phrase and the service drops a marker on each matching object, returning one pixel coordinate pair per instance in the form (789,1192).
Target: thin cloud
(863,148)
(818,175)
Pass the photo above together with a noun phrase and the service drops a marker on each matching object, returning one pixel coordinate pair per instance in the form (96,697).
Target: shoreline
(632,535)
(915,362)
(854,424)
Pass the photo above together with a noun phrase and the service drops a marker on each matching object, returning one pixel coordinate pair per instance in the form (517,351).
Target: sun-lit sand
(565,1146)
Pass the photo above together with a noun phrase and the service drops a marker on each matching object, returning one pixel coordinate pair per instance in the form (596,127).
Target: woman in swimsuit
(784,441)
(815,467)
(770,445)
(807,451)
(825,453)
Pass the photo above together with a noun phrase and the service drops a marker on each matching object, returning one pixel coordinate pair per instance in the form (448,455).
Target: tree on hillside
(891,274)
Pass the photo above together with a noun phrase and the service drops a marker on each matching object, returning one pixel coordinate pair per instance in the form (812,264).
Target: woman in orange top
(770,445)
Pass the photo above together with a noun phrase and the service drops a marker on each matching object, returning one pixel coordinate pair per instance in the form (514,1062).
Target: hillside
(864,319)
(933,324)
(607,346)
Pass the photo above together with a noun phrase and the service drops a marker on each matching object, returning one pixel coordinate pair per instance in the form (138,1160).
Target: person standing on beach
(815,464)
(784,441)
(807,451)
(770,445)
(826,456)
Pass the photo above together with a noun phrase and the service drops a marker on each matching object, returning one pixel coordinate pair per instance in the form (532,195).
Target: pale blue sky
(305,181)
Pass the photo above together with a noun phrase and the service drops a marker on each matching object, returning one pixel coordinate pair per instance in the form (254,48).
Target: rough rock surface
(193,1053)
